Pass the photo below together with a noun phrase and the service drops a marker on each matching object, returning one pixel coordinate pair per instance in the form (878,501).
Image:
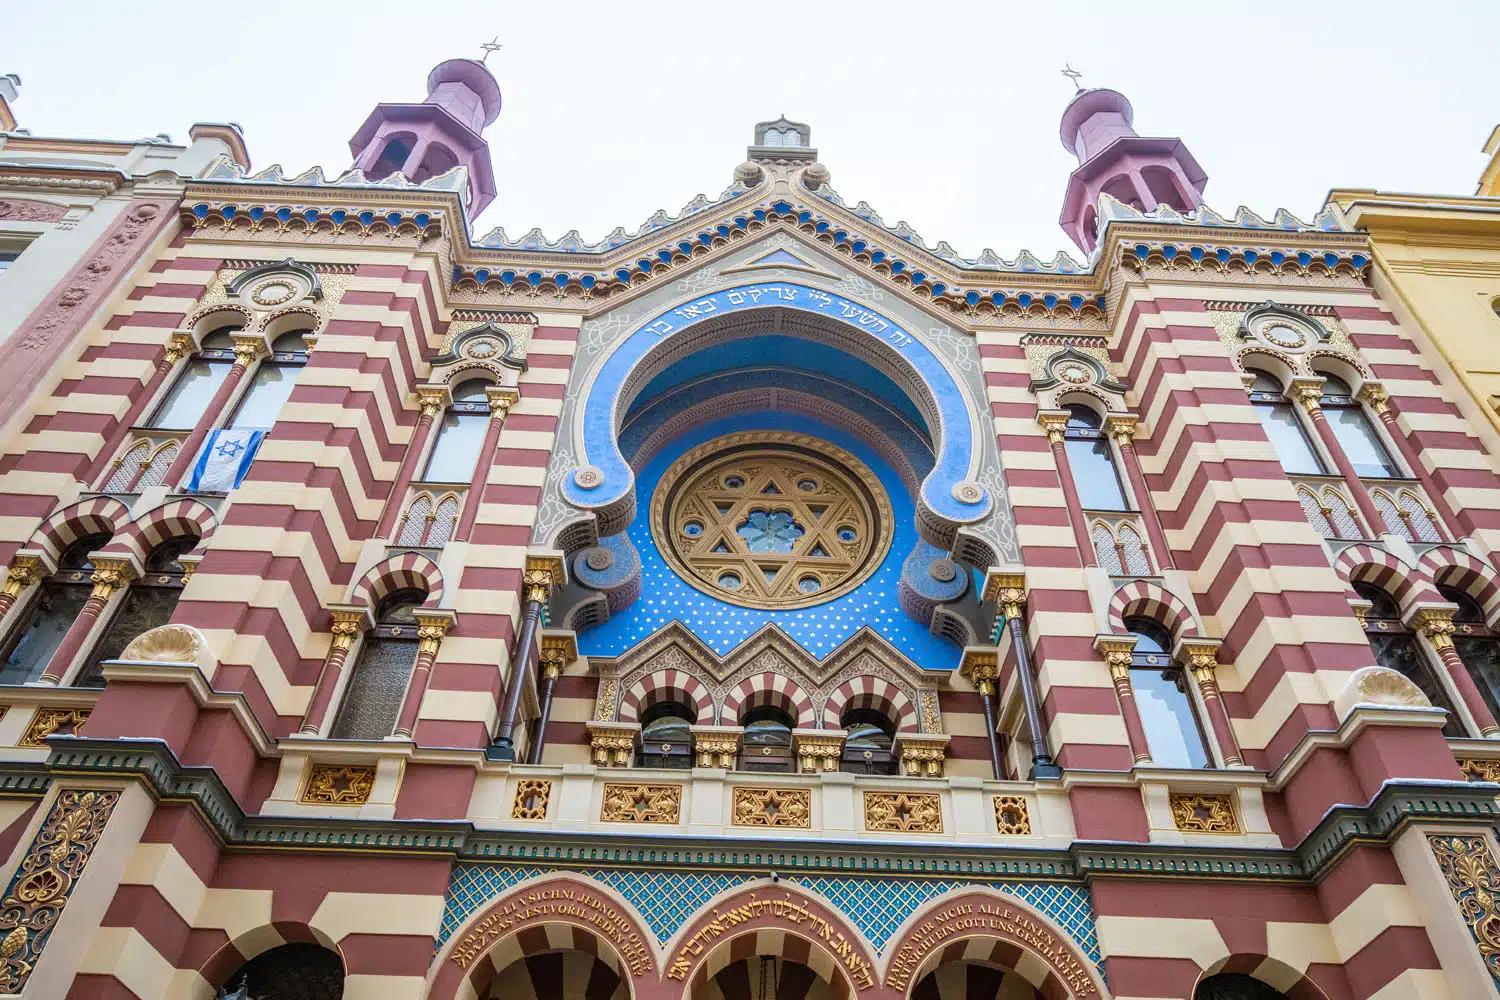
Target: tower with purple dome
(424,140)
(1144,173)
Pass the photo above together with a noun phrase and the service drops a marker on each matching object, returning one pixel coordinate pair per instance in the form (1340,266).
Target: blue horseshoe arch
(605,484)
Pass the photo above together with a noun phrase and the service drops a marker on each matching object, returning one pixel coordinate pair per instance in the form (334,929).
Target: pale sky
(943,114)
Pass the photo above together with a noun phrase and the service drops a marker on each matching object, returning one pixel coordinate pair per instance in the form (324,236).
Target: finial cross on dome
(1072,74)
(490,47)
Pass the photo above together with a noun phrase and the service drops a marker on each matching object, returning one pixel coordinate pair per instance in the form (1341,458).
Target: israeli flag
(225,459)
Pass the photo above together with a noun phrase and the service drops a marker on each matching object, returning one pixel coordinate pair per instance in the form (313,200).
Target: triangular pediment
(781,258)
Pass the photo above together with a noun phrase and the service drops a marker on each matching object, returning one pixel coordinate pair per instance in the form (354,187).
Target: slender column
(501,400)
(1374,394)
(1117,655)
(347,623)
(1203,662)
(109,575)
(1055,425)
(558,650)
(247,350)
(1437,625)
(1122,429)
(23,572)
(179,346)
(1308,395)
(541,575)
(983,669)
(1011,595)
(431,627)
(433,400)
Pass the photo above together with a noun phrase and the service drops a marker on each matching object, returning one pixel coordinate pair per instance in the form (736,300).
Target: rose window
(771,519)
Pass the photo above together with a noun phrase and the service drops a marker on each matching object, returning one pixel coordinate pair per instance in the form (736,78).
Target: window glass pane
(457,448)
(1399,652)
(143,609)
(1482,657)
(376,690)
(1166,713)
(190,395)
(260,404)
(1360,442)
(50,618)
(1291,444)
(1094,474)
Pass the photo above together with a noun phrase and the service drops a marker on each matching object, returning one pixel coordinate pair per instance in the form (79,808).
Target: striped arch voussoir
(1461,571)
(1378,568)
(1269,970)
(1151,600)
(97,515)
(512,964)
(866,691)
(663,686)
(409,569)
(176,519)
(226,961)
(769,689)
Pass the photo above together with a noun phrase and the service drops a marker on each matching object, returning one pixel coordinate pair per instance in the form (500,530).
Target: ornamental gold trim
(778,807)
(781,488)
(903,812)
(49,721)
(641,804)
(1480,769)
(1012,816)
(338,785)
(1468,866)
(532,795)
(1193,812)
(46,877)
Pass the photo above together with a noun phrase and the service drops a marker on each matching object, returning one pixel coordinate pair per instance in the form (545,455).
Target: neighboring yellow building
(1437,265)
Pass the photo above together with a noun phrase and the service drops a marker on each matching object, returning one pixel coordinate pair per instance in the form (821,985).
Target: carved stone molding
(532,795)
(338,784)
(1199,813)
(25,210)
(51,721)
(778,807)
(1469,868)
(612,744)
(903,812)
(641,804)
(1012,816)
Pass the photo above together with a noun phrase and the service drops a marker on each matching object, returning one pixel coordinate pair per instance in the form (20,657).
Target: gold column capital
(981,664)
(1436,624)
(1201,657)
(1308,392)
(1122,427)
(558,650)
(1375,396)
(541,574)
(23,572)
(109,575)
(347,623)
(179,346)
(1054,424)
(431,627)
(1008,590)
(1118,655)
(432,400)
(501,399)
(248,347)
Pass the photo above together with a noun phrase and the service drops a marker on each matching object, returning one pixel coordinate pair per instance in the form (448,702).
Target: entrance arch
(554,931)
(994,930)
(949,497)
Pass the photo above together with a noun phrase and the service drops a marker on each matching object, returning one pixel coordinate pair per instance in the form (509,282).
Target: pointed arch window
(461,437)
(1406,516)
(39,630)
(1395,647)
(196,384)
(1354,432)
(1173,731)
(1477,646)
(869,745)
(1278,418)
(666,736)
(377,685)
(144,465)
(275,377)
(148,603)
(1091,461)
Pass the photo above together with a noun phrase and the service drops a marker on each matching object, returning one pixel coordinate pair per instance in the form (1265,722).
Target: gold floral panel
(1481,769)
(531,799)
(45,879)
(1012,816)
(771,519)
(641,804)
(338,785)
(903,812)
(783,807)
(51,722)
(1469,868)
(1197,813)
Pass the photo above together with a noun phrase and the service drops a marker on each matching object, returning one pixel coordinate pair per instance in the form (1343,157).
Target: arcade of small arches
(563,938)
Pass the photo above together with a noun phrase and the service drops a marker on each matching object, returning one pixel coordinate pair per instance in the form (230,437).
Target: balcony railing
(1402,504)
(1119,540)
(143,461)
(430,515)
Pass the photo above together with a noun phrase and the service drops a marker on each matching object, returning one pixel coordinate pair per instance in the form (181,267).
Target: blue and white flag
(224,460)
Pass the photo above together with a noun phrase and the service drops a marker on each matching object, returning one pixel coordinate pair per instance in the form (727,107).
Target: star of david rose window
(771,519)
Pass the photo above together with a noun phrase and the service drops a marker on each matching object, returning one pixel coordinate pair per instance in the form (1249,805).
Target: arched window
(39,630)
(1354,432)
(1235,986)
(1173,732)
(1395,646)
(297,971)
(1092,463)
(868,747)
(767,743)
(1278,418)
(1406,516)
(196,384)
(148,602)
(377,686)
(393,157)
(461,436)
(274,379)
(1477,646)
(666,739)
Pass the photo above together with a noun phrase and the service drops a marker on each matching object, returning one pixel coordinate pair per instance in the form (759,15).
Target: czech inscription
(1011,923)
(541,905)
(788,909)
